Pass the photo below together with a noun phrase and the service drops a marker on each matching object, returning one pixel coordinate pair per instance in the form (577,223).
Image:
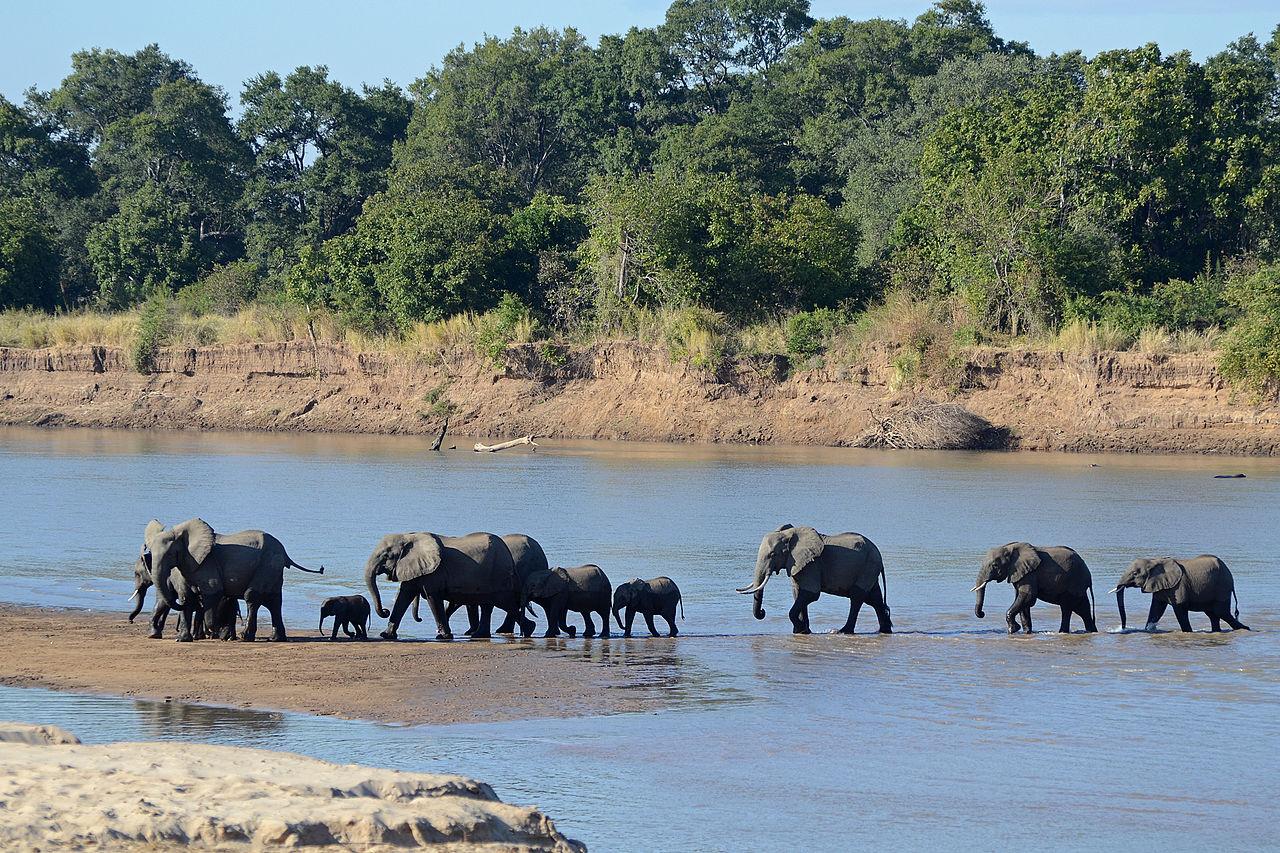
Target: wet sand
(416,682)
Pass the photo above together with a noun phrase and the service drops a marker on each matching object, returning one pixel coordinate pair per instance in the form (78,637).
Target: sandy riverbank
(404,682)
(1106,401)
(62,795)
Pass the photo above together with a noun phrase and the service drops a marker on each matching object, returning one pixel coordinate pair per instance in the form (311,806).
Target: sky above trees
(231,41)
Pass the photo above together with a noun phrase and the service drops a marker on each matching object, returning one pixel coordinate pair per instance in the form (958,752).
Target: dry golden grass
(1080,336)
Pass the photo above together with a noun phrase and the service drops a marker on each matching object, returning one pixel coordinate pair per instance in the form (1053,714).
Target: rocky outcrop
(151,796)
(1124,401)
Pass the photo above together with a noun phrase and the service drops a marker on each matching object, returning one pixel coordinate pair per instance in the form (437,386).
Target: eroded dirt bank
(1111,401)
(402,682)
(61,795)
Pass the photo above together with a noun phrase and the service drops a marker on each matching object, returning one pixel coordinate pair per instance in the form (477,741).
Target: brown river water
(946,733)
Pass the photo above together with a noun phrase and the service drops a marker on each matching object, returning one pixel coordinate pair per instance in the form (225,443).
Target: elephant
(1203,584)
(845,564)
(528,557)
(160,613)
(657,597)
(214,567)
(1057,575)
(582,589)
(473,569)
(349,612)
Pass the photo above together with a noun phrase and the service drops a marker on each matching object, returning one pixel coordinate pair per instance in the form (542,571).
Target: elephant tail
(1236,599)
(681,601)
(1093,610)
(318,571)
(884,587)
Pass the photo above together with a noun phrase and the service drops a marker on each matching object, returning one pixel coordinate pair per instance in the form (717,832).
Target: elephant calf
(582,589)
(349,612)
(1203,584)
(657,597)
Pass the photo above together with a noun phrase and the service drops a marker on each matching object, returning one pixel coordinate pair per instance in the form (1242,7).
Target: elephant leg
(604,622)
(670,616)
(1015,610)
(875,599)
(1215,624)
(1065,627)
(799,612)
(631,615)
(1158,605)
(184,625)
(571,630)
(334,635)
(404,600)
(590,630)
(453,608)
(1184,620)
(481,631)
(274,607)
(855,604)
(251,604)
(508,625)
(648,620)
(158,617)
(555,619)
(198,626)
(1086,615)
(1026,616)
(526,624)
(473,619)
(1236,624)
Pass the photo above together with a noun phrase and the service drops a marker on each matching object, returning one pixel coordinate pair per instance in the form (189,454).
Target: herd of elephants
(203,575)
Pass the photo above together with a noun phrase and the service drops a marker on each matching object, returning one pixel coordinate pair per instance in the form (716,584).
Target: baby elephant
(349,612)
(657,597)
(582,589)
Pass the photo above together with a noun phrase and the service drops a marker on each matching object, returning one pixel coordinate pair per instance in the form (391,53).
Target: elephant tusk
(979,586)
(132,597)
(750,589)
(1114,590)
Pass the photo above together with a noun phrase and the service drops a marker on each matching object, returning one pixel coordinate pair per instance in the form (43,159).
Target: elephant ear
(1027,562)
(199,539)
(421,558)
(154,526)
(806,546)
(1163,576)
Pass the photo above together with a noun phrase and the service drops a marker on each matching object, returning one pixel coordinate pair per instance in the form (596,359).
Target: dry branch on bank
(435,445)
(924,424)
(515,442)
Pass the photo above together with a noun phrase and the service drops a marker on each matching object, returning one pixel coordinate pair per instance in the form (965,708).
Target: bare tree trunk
(435,445)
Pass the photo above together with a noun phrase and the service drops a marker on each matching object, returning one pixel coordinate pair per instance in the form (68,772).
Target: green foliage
(1175,305)
(507,323)
(149,244)
(155,326)
(1251,351)
(438,405)
(808,332)
(225,289)
(28,257)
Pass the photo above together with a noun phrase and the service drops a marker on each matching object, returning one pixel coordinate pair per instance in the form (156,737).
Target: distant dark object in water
(1228,476)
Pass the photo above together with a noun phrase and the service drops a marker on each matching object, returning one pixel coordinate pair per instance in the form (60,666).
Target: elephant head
(1011,563)
(1163,574)
(184,546)
(788,547)
(401,557)
(543,584)
(627,595)
(141,583)
(330,607)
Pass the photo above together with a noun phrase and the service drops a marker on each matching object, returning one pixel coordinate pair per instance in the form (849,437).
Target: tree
(28,257)
(147,245)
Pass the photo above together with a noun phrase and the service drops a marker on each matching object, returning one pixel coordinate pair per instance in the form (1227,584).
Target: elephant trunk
(371,580)
(980,591)
(1120,605)
(140,599)
(163,589)
(758,580)
(617,615)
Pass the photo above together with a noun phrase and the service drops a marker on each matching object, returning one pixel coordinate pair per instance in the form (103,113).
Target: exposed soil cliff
(1121,401)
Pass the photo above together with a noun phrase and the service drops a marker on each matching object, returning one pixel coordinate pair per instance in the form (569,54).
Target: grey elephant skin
(845,564)
(349,612)
(476,569)
(1203,584)
(655,597)
(247,565)
(582,589)
(1056,575)
(160,613)
(528,556)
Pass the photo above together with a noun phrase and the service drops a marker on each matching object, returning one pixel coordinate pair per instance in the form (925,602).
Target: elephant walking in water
(1203,584)
(582,589)
(528,557)
(844,564)
(1056,575)
(214,567)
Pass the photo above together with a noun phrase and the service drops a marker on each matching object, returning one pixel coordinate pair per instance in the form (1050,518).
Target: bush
(1251,350)
(809,332)
(509,323)
(155,326)
(225,290)
(697,336)
(1174,305)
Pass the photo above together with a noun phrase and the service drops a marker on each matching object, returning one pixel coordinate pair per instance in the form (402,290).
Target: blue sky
(231,40)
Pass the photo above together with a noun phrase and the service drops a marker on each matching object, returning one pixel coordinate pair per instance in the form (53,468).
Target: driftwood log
(515,442)
(924,424)
(435,445)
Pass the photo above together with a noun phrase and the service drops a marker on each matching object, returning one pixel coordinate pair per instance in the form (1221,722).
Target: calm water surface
(947,732)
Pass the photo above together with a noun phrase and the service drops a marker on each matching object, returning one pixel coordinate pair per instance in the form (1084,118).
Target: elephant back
(590,579)
(1070,573)
(849,562)
(663,589)
(526,554)
(250,559)
(478,564)
(1207,579)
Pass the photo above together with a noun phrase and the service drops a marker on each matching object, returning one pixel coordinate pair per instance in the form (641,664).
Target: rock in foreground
(146,796)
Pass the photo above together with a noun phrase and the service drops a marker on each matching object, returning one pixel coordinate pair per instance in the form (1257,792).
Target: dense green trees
(742,156)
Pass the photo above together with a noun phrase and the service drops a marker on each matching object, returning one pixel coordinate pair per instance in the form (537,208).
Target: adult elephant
(160,612)
(473,569)
(845,564)
(213,567)
(528,557)
(1203,584)
(1056,575)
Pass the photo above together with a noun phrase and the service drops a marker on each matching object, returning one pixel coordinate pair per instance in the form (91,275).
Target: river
(948,732)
